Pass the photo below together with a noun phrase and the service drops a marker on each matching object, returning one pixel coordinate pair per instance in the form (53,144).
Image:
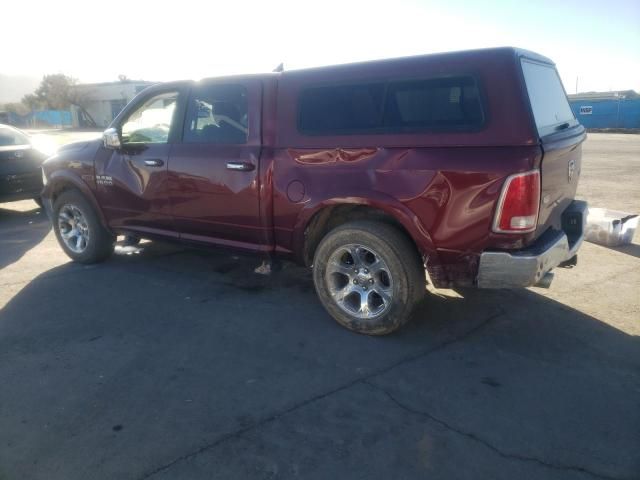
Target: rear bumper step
(531,266)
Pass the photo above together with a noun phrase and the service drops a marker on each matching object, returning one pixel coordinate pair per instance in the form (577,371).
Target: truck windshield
(551,109)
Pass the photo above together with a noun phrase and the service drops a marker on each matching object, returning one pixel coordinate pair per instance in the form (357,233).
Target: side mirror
(111,139)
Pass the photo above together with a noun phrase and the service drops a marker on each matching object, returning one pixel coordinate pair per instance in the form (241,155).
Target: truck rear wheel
(78,229)
(369,277)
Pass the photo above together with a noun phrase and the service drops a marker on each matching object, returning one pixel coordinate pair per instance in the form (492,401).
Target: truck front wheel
(78,229)
(369,277)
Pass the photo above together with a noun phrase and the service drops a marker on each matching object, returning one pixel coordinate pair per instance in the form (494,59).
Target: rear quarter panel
(444,197)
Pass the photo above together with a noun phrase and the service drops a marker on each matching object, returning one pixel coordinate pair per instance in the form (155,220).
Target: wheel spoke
(354,251)
(69,234)
(341,295)
(79,239)
(336,267)
(384,293)
(377,266)
(364,303)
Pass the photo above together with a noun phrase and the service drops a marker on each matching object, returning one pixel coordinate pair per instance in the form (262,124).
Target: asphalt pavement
(171,363)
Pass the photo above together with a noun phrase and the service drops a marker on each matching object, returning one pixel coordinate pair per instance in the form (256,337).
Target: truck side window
(343,108)
(151,122)
(217,114)
(441,103)
(436,104)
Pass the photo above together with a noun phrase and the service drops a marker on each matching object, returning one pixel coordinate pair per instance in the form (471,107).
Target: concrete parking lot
(169,363)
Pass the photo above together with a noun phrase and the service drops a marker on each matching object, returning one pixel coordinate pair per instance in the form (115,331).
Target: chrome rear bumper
(525,268)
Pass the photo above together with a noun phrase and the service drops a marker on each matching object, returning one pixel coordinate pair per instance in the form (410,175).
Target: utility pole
(576,84)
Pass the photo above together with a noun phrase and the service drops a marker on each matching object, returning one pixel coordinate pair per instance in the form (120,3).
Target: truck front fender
(60,180)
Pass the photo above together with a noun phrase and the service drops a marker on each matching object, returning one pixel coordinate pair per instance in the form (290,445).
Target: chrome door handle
(240,166)
(153,162)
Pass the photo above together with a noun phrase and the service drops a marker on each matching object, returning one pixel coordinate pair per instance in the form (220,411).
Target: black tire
(99,244)
(405,276)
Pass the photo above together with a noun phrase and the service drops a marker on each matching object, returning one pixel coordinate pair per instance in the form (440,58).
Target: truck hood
(84,152)
(77,146)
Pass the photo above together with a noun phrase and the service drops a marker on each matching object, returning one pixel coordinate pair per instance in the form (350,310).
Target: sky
(597,42)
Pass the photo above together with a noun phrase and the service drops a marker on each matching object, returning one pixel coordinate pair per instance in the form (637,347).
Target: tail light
(518,204)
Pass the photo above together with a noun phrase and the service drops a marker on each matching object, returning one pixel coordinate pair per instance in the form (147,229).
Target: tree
(17,108)
(31,102)
(59,92)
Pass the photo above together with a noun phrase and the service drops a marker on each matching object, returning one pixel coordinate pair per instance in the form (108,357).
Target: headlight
(44,177)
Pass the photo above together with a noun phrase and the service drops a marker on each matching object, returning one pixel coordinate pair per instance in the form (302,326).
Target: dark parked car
(20,166)
(459,169)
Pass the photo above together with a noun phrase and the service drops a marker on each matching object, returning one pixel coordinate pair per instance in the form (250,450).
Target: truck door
(214,183)
(132,180)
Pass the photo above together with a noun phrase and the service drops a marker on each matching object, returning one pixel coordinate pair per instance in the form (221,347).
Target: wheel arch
(61,181)
(314,223)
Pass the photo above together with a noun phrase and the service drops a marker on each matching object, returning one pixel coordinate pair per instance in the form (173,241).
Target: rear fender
(405,217)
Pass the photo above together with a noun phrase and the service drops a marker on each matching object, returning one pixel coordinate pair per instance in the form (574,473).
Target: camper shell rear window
(401,106)
(549,104)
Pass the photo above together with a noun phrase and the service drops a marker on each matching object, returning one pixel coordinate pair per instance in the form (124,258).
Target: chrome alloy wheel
(359,281)
(73,228)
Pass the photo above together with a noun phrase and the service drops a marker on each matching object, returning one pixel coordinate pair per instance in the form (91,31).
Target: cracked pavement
(167,363)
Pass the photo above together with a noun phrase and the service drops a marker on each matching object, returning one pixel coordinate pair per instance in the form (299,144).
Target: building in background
(104,101)
(607,109)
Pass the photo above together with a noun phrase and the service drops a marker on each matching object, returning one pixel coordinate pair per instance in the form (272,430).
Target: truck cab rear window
(548,99)
(439,104)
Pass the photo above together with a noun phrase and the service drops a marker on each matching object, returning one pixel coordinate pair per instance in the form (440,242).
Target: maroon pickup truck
(458,169)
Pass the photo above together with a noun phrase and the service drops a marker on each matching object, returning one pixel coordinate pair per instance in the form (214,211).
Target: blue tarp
(44,118)
(52,117)
(607,113)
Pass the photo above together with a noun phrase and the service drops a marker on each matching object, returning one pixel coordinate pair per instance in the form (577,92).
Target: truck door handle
(153,162)
(240,166)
